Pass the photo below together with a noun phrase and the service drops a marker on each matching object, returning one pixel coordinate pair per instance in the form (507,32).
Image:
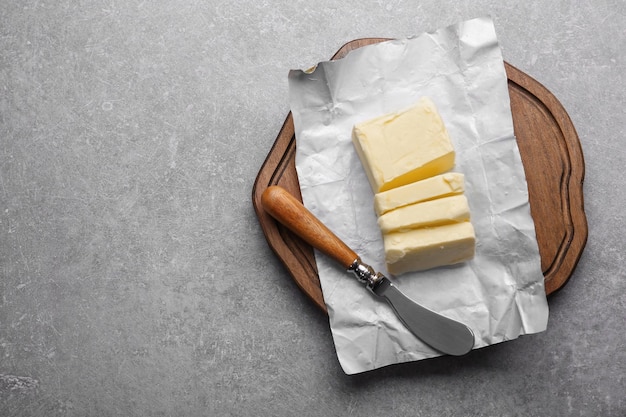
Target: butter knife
(439,332)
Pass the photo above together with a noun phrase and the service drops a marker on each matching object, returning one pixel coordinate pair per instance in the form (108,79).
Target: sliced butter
(444,185)
(421,249)
(446,210)
(400,148)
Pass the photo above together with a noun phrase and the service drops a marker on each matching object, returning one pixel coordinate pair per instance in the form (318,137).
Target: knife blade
(438,331)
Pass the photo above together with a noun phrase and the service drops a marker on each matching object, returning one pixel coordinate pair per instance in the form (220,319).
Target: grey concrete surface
(134,278)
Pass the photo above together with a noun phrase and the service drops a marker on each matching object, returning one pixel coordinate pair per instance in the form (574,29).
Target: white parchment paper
(500,293)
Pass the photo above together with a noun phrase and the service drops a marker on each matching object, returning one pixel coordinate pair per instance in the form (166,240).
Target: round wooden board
(552,158)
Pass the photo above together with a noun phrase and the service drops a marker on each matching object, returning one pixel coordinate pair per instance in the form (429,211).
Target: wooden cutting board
(552,158)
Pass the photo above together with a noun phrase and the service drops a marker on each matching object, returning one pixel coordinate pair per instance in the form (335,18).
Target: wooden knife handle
(285,208)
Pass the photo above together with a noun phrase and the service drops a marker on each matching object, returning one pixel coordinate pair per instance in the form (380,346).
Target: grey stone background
(134,278)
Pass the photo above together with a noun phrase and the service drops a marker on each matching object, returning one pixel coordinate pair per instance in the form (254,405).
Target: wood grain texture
(555,170)
(291,212)
(552,158)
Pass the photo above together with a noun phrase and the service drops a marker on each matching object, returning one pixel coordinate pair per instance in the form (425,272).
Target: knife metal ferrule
(366,274)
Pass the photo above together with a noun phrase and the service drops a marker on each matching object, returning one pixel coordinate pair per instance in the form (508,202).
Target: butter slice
(400,148)
(446,210)
(444,185)
(421,249)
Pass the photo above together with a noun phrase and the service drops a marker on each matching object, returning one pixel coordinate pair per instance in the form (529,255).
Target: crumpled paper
(500,293)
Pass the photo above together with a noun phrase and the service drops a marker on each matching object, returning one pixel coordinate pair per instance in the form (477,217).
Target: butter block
(400,148)
(446,210)
(443,185)
(421,249)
